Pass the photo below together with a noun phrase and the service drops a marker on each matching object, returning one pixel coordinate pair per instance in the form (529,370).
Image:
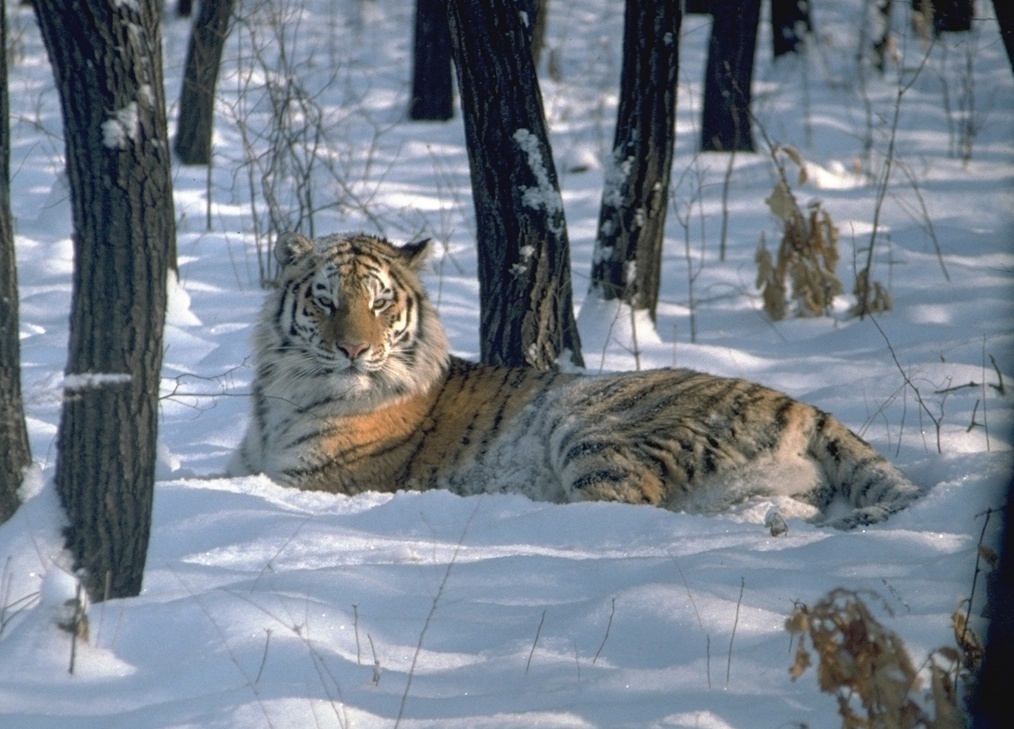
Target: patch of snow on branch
(89,380)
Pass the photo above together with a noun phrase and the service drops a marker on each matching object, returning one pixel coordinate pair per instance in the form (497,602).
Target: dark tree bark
(184,8)
(1004,10)
(432,72)
(200,76)
(628,249)
(526,305)
(991,699)
(432,67)
(949,16)
(15,455)
(725,123)
(107,61)
(790,21)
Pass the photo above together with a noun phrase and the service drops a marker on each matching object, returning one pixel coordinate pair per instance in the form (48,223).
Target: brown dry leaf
(782,202)
(798,622)
(863,665)
(968,641)
(945,701)
(802,662)
(792,153)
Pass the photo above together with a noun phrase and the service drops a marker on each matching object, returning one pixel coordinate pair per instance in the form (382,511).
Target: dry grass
(807,254)
(869,671)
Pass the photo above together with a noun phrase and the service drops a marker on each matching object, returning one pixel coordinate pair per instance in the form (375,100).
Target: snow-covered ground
(267,607)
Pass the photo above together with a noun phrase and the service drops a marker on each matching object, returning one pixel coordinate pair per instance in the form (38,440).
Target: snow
(542,196)
(267,607)
(121,127)
(89,380)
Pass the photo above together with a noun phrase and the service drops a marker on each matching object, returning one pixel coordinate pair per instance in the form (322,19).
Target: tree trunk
(628,249)
(1004,10)
(107,61)
(990,705)
(432,74)
(725,123)
(200,76)
(15,455)
(949,16)
(526,305)
(790,21)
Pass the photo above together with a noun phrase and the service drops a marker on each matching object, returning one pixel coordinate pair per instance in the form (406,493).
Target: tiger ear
(415,254)
(290,247)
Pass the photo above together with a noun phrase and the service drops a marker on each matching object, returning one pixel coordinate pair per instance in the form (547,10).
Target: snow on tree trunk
(107,60)
(526,305)
(628,249)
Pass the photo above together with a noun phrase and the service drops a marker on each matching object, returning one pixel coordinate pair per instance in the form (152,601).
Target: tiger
(355,389)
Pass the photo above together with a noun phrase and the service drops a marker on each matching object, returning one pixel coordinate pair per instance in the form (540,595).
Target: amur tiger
(355,390)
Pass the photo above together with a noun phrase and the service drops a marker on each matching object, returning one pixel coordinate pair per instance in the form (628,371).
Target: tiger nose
(353,350)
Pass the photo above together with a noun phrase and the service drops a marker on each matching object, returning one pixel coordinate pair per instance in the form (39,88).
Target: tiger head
(352,308)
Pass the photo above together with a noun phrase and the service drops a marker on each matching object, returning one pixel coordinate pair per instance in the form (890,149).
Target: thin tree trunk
(991,701)
(432,72)
(15,455)
(527,311)
(628,249)
(949,16)
(200,76)
(1004,10)
(790,21)
(725,123)
(107,61)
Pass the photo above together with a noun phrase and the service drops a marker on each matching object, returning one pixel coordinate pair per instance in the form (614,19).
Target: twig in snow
(999,375)
(8,607)
(606,636)
(864,306)
(228,649)
(978,568)
(965,641)
(78,623)
(376,661)
(700,622)
(534,642)
(955,388)
(975,409)
(735,623)
(355,626)
(264,656)
(429,615)
(905,377)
